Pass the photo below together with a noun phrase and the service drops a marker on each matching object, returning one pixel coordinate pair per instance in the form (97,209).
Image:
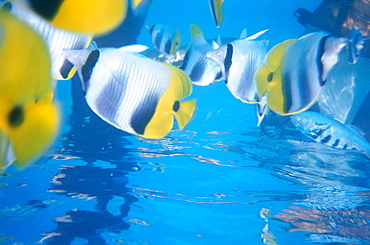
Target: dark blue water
(222,180)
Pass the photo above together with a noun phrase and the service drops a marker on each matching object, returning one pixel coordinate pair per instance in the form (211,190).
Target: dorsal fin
(255,36)
(194,31)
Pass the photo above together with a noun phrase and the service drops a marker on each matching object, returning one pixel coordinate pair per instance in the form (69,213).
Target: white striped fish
(326,130)
(132,92)
(294,71)
(239,61)
(56,39)
(165,39)
(201,69)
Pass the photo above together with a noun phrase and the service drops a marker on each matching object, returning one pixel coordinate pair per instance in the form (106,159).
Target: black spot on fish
(65,69)
(326,139)
(228,60)
(336,143)
(270,76)
(345,146)
(16,116)
(46,8)
(219,75)
(176,106)
(88,67)
(143,114)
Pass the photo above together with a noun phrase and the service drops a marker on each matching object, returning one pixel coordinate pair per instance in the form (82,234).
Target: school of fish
(142,93)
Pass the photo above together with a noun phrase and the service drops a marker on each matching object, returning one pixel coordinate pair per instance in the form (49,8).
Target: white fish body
(326,130)
(239,61)
(202,70)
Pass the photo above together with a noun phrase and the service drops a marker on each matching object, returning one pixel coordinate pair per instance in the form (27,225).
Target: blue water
(222,180)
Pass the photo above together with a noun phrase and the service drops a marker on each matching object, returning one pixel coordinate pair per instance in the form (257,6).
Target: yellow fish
(216,10)
(295,71)
(82,16)
(29,120)
(132,92)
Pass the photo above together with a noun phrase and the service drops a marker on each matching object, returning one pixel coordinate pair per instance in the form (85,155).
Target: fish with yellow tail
(29,119)
(165,39)
(57,39)
(328,131)
(82,16)
(216,11)
(132,92)
(294,72)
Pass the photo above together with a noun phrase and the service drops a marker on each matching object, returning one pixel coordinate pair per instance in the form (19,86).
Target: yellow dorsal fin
(195,30)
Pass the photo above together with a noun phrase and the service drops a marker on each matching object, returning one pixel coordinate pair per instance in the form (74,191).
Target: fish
(132,92)
(83,16)
(202,70)
(29,117)
(294,72)
(165,39)
(216,11)
(57,39)
(328,131)
(239,61)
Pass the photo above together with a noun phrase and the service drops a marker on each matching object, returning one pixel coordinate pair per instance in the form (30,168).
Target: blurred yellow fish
(216,10)
(29,120)
(82,16)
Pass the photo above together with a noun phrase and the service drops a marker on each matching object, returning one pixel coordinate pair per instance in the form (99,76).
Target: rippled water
(222,180)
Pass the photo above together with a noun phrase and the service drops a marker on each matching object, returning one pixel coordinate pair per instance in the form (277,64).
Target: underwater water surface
(221,180)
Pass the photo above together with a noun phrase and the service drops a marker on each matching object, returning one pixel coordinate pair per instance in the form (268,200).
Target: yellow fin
(90,16)
(184,112)
(37,132)
(136,3)
(178,88)
(195,30)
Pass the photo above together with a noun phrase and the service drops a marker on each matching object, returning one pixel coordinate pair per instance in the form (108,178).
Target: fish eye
(270,76)
(16,116)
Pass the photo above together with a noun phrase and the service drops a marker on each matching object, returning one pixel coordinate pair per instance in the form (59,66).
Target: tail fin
(184,111)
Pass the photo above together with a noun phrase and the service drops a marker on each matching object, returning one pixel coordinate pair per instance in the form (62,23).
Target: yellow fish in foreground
(29,120)
(82,16)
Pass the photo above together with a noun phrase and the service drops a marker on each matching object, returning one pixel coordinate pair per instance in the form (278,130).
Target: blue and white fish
(165,39)
(57,39)
(201,69)
(328,131)
(216,11)
(239,61)
(132,92)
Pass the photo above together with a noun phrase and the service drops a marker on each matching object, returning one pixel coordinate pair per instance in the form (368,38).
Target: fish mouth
(7,155)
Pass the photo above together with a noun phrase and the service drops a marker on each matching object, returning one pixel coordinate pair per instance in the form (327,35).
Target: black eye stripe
(16,116)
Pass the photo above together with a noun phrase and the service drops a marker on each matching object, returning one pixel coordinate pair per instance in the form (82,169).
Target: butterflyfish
(328,131)
(57,39)
(294,72)
(165,39)
(82,16)
(239,61)
(201,69)
(216,11)
(132,92)
(29,119)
